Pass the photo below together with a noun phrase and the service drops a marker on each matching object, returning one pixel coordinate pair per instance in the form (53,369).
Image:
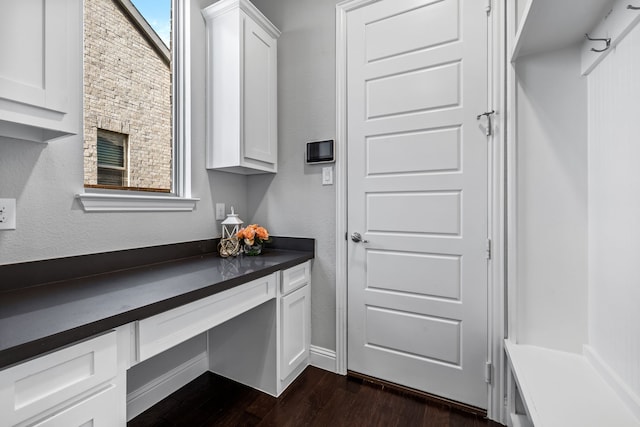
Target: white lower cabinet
(295,339)
(295,322)
(68,384)
(268,347)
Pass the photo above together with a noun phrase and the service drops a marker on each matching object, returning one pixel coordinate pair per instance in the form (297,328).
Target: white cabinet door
(260,98)
(296,331)
(40,68)
(241,89)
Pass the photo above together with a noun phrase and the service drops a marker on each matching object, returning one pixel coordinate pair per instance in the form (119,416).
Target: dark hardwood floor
(316,398)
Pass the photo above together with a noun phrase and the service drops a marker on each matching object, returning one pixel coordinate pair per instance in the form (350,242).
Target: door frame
(497,192)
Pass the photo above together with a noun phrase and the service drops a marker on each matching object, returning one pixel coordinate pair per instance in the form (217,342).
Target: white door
(417,188)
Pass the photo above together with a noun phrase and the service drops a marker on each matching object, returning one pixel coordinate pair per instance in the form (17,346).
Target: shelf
(619,21)
(548,25)
(562,389)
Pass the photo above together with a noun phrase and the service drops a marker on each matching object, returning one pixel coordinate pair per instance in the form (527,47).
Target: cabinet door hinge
(488,7)
(489,249)
(488,372)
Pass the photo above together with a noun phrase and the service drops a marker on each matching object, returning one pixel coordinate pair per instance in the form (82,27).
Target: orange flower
(249,232)
(262,233)
(253,232)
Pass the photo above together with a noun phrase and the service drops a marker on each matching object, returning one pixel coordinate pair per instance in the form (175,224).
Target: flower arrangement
(253,237)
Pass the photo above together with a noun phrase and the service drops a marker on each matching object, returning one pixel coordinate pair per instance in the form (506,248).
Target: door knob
(357,237)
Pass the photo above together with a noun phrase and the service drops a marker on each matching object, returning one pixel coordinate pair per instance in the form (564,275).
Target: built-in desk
(66,345)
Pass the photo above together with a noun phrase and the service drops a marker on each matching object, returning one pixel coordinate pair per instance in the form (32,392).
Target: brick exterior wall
(127,89)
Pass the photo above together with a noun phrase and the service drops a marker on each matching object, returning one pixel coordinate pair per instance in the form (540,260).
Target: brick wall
(127,89)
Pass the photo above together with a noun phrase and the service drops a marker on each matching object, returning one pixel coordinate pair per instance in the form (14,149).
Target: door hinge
(488,372)
(489,249)
(488,8)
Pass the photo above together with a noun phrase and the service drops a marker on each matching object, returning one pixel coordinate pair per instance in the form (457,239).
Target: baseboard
(151,393)
(322,358)
(624,392)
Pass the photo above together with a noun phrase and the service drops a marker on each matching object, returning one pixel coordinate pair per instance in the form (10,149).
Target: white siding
(614,210)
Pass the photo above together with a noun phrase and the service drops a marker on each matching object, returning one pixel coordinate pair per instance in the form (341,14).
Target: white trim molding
(342,9)
(180,200)
(118,202)
(322,358)
(153,392)
(496,409)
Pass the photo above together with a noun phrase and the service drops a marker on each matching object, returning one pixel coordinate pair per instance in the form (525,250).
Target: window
(136,107)
(112,159)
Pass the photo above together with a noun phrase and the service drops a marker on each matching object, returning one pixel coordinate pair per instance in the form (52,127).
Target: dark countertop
(38,319)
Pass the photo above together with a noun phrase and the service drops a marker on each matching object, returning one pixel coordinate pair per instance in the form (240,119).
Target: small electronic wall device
(320,152)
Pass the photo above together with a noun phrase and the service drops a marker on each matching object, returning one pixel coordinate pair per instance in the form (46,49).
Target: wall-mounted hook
(607,41)
(633,7)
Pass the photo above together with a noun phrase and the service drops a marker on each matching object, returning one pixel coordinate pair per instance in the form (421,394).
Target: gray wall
(44,179)
(294,202)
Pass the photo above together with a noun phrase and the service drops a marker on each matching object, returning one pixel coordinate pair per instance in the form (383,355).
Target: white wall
(614,211)
(44,178)
(294,202)
(552,201)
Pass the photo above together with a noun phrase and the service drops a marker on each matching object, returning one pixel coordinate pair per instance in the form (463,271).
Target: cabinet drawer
(40,384)
(295,277)
(165,330)
(96,411)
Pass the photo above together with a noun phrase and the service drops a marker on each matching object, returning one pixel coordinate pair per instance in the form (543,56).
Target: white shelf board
(547,25)
(561,389)
(619,22)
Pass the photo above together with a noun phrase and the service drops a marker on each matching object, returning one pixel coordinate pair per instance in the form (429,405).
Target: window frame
(180,199)
(124,169)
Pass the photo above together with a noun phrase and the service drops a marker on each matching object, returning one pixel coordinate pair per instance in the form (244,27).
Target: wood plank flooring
(316,398)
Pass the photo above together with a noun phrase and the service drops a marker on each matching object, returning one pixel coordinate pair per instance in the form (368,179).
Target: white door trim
(496,408)
(497,202)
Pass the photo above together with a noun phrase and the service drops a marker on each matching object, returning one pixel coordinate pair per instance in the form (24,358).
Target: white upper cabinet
(40,54)
(241,88)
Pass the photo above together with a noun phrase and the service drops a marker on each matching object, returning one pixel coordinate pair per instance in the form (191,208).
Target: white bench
(564,390)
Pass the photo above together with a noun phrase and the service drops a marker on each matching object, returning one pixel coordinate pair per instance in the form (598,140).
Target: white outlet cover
(221,212)
(7,214)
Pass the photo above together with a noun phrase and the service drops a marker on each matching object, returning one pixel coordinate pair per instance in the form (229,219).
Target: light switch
(327,175)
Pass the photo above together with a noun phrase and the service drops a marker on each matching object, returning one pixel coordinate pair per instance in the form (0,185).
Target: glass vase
(253,250)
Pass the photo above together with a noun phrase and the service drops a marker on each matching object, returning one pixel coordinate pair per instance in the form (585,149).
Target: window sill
(102,202)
